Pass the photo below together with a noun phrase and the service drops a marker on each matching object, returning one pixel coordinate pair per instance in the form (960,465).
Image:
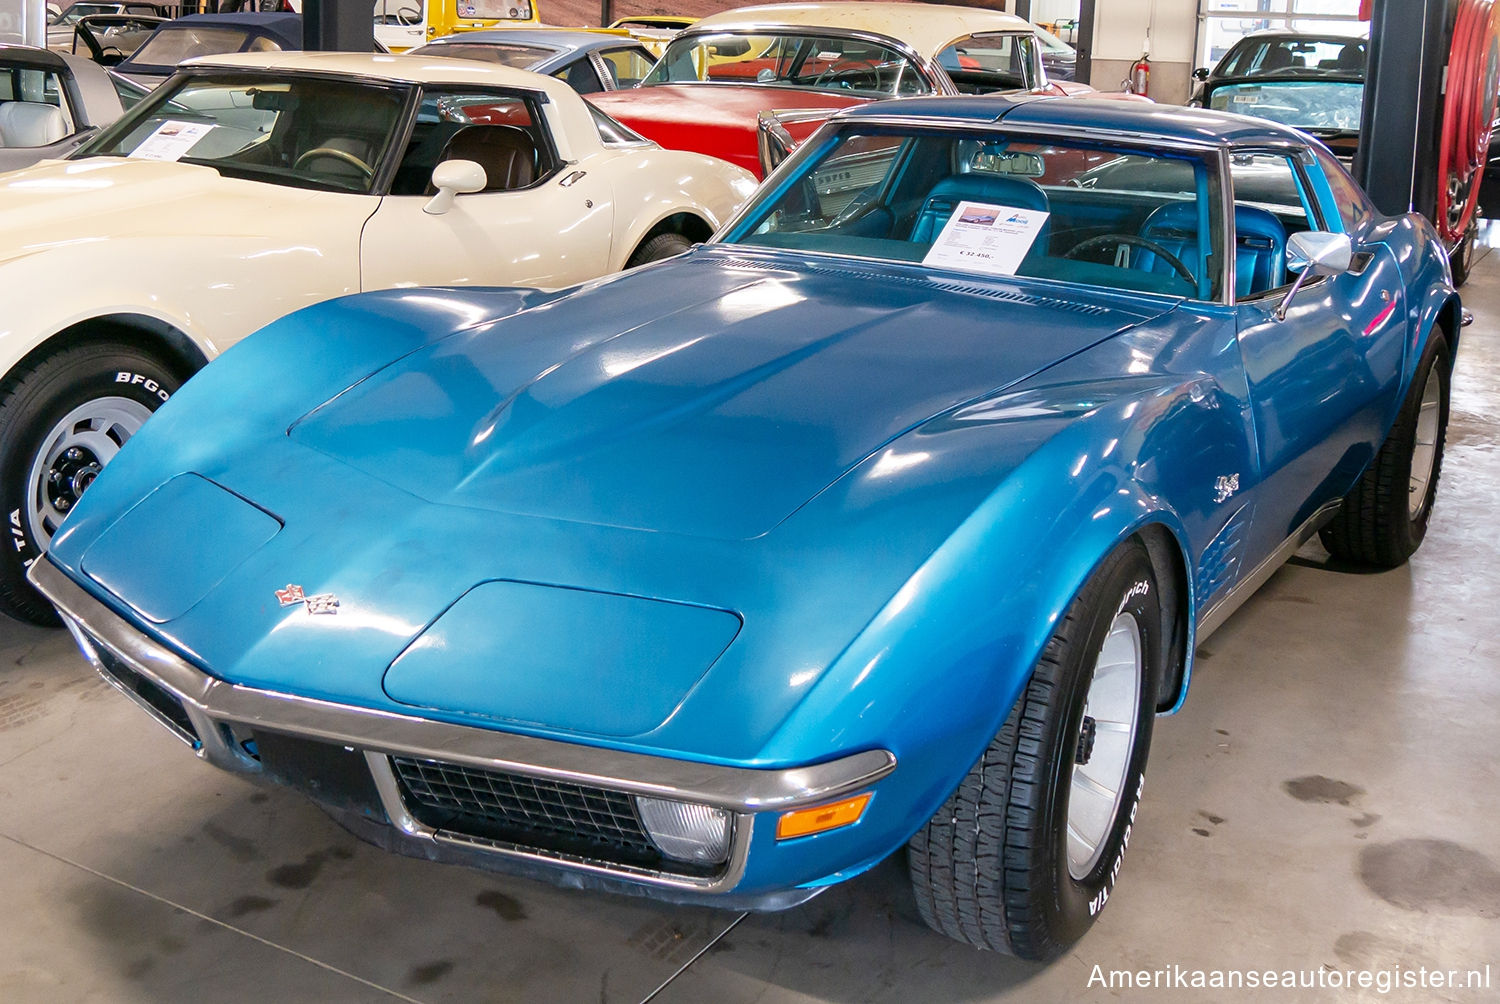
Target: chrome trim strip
(212,701)
(1214,617)
(395,807)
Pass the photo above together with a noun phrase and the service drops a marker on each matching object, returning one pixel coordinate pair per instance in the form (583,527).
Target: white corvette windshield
(303,131)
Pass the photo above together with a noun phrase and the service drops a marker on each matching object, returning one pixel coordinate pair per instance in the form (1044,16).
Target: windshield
(1282,56)
(1322,105)
(1086,212)
(518,57)
(174,43)
(822,62)
(78,10)
(305,132)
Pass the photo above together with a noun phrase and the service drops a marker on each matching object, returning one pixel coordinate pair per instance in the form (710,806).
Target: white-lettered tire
(1384,519)
(61,421)
(1024,855)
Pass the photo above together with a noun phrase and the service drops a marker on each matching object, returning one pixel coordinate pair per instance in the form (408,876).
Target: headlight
(686,831)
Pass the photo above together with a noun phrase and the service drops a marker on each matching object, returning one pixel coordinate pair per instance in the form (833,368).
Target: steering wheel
(336,154)
(1104,240)
(408,16)
(846,67)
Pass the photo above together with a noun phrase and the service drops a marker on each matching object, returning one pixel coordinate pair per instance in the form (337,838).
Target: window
(495,10)
(301,131)
(581,76)
(171,46)
(1270,204)
(612,133)
(822,62)
(1222,23)
(1353,206)
(1092,213)
(499,131)
(627,66)
(996,62)
(45,111)
(518,57)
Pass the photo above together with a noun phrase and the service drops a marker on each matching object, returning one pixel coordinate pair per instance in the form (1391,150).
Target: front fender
(934,675)
(217,291)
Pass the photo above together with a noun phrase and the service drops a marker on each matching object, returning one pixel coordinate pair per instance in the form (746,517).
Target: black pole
(338,26)
(1397,157)
(1083,41)
(606,12)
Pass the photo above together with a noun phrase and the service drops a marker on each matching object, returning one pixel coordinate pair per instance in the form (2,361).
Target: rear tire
(1384,518)
(659,247)
(1462,258)
(1024,855)
(61,421)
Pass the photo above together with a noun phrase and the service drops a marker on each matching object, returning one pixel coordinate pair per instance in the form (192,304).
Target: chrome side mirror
(1313,254)
(452,178)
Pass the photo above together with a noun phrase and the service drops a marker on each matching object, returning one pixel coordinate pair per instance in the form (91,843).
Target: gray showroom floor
(1328,800)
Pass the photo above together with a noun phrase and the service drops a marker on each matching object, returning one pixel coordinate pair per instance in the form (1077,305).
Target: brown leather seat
(507,154)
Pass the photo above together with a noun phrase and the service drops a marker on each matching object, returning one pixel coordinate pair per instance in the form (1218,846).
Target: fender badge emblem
(1225,487)
(322,603)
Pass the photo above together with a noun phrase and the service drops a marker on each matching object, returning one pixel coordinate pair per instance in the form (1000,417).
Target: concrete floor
(1327,800)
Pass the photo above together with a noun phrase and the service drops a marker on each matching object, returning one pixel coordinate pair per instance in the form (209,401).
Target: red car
(747,85)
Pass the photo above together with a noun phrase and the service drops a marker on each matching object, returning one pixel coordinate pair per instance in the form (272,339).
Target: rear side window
(995,62)
(1353,205)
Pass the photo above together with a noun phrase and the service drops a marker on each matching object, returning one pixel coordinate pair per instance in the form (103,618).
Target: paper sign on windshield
(171,140)
(984,238)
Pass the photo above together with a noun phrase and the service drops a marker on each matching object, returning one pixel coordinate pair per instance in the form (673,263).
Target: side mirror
(452,178)
(1313,254)
(1201,73)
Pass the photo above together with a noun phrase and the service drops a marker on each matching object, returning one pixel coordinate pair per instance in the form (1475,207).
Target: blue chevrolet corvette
(889,518)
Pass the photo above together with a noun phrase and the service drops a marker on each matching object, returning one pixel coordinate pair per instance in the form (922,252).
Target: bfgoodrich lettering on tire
(1024,855)
(61,421)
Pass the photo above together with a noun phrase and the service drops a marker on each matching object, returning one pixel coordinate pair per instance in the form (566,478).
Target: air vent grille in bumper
(527,811)
(159,702)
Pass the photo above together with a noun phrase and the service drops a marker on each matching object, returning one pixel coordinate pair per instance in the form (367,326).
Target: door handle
(571,179)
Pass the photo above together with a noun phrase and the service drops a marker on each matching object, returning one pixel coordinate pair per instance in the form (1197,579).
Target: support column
(338,26)
(1397,158)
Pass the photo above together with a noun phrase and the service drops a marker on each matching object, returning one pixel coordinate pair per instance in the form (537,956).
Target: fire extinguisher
(1140,76)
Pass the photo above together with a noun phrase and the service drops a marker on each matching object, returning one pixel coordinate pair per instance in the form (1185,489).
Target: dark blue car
(889,518)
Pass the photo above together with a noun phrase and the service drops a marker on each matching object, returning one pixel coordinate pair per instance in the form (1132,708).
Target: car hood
(713,403)
(57,203)
(716,119)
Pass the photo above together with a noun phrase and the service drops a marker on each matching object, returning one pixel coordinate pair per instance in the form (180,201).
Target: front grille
(159,702)
(588,822)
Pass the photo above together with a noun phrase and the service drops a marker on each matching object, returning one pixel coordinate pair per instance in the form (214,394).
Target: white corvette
(251,185)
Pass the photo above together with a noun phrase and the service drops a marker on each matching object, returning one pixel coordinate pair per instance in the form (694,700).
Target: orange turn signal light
(821,818)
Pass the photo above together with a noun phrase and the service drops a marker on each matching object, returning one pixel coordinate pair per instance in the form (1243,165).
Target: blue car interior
(1260,245)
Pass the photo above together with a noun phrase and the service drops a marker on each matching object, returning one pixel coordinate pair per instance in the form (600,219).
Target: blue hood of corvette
(744,393)
(603,514)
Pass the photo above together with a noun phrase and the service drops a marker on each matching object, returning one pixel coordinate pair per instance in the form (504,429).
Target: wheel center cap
(71,476)
(1086,737)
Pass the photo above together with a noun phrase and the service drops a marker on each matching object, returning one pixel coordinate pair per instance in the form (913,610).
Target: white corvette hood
(60,203)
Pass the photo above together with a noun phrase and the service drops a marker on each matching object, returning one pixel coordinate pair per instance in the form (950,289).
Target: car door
(538,223)
(1322,378)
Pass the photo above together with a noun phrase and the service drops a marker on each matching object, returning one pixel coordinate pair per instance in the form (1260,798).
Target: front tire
(61,421)
(661,246)
(1024,855)
(1383,520)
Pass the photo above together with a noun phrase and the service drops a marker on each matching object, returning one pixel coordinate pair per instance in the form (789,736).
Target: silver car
(50,103)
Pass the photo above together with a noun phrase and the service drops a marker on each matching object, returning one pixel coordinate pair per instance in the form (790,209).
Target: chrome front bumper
(215,711)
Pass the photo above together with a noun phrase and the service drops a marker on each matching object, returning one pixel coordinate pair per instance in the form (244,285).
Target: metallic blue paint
(894,478)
